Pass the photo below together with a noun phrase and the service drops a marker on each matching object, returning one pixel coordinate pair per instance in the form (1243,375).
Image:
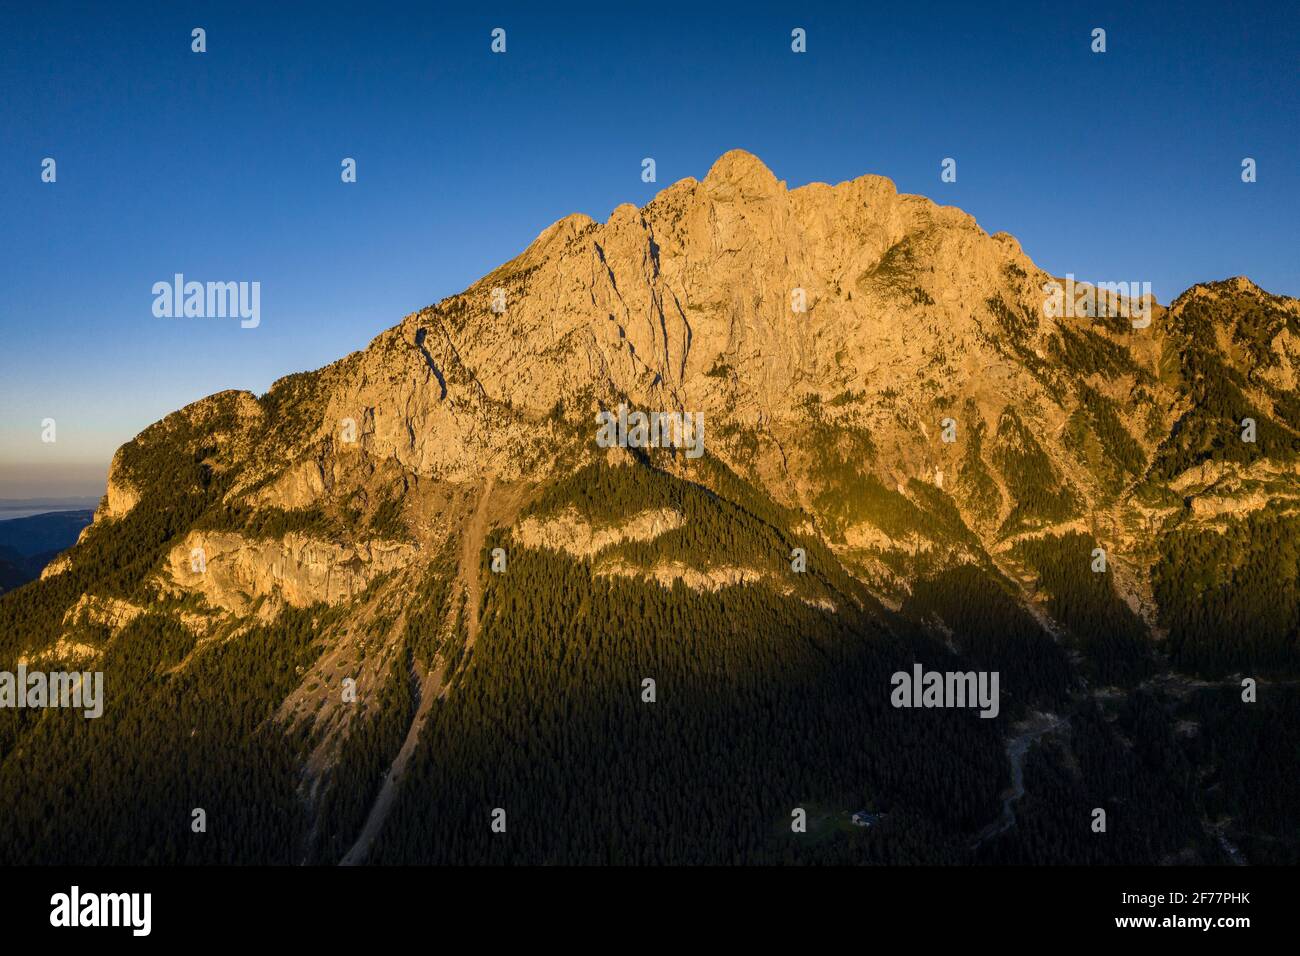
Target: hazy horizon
(34,481)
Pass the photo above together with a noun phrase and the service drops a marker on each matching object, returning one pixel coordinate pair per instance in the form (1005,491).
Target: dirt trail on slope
(429,689)
(467,577)
(471,549)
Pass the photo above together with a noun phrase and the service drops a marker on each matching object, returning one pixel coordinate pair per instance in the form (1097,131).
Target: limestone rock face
(569,532)
(121,497)
(733,296)
(295,570)
(56,567)
(106,612)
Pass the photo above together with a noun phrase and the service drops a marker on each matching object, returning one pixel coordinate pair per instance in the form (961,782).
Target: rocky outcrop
(63,652)
(57,566)
(233,572)
(665,573)
(112,613)
(568,532)
(122,495)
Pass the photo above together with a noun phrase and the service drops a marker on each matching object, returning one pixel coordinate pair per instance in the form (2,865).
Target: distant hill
(12,575)
(28,544)
(11,508)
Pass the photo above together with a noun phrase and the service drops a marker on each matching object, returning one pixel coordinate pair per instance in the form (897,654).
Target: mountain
(354,617)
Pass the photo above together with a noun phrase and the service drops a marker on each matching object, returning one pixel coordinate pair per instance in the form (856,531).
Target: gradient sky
(225,165)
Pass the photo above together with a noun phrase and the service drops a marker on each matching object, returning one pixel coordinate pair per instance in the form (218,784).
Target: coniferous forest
(764,702)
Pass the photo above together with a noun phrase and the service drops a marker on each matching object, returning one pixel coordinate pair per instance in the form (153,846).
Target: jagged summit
(1234,286)
(738,172)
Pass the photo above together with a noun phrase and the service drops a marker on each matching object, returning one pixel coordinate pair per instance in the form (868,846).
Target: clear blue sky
(225,165)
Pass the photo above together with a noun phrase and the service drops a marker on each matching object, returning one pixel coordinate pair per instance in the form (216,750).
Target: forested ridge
(764,703)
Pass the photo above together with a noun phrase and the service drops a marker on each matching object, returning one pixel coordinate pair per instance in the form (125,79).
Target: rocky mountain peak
(738,174)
